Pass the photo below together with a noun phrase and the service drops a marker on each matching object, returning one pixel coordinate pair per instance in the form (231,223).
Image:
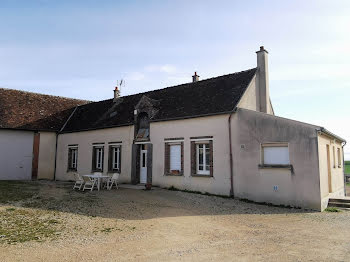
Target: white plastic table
(99,178)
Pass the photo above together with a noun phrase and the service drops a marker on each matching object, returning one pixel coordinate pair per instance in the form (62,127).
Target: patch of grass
(110,229)
(332,209)
(172,188)
(17,226)
(347,167)
(12,191)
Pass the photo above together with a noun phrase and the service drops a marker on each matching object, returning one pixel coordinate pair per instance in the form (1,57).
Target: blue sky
(81,48)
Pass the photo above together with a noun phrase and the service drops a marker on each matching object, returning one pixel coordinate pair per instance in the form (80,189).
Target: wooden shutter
(166,158)
(120,159)
(182,158)
(94,159)
(69,158)
(211,157)
(193,158)
(110,158)
(103,158)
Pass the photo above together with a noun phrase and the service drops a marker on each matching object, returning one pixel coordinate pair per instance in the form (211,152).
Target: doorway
(143,164)
(329,170)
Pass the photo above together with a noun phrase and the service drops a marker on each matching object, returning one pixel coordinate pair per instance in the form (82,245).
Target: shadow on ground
(126,203)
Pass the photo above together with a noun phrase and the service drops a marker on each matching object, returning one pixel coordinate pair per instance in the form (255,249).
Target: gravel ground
(163,225)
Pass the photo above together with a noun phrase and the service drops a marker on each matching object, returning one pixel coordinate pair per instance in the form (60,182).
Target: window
(339,159)
(333,157)
(72,158)
(202,158)
(97,158)
(114,159)
(173,158)
(275,154)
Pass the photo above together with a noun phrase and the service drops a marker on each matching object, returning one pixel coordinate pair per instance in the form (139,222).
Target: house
(29,123)
(218,135)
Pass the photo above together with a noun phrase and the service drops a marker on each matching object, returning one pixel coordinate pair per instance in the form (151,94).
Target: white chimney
(195,77)
(262,80)
(116,94)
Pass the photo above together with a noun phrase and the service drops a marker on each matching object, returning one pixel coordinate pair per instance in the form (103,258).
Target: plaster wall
(85,141)
(299,186)
(216,126)
(336,171)
(16,153)
(47,150)
(250,99)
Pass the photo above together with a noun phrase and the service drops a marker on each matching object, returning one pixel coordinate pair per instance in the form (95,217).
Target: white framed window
(114,158)
(72,158)
(97,158)
(203,158)
(275,154)
(175,158)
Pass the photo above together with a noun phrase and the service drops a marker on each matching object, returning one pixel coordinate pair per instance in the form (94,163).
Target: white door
(143,167)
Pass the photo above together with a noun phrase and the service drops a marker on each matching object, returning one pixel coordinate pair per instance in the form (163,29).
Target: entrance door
(143,165)
(329,170)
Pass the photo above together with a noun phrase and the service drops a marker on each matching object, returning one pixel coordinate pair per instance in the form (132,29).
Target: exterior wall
(299,188)
(16,154)
(47,151)
(85,141)
(250,99)
(337,172)
(216,126)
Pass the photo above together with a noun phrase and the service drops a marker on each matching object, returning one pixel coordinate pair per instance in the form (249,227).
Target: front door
(143,165)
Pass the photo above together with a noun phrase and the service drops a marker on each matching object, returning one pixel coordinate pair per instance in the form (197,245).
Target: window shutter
(120,159)
(193,158)
(182,157)
(166,158)
(93,159)
(211,157)
(69,158)
(103,158)
(110,158)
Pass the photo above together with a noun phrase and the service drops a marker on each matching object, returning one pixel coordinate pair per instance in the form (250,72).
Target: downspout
(54,171)
(231,157)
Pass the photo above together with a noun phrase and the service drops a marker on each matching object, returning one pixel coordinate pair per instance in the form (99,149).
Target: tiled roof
(26,110)
(207,97)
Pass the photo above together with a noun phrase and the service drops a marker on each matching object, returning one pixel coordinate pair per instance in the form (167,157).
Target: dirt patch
(163,225)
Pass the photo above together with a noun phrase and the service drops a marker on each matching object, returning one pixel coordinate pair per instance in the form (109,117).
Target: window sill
(201,175)
(172,174)
(290,167)
(72,170)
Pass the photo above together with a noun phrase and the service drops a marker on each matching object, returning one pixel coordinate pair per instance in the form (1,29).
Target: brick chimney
(195,77)
(262,80)
(116,94)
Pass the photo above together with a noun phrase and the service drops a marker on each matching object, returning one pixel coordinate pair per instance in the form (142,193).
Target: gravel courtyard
(47,221)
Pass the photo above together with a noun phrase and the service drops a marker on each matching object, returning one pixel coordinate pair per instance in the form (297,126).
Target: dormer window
(143,127)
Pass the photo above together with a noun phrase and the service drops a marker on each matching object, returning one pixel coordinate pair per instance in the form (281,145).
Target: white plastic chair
(113,181)
(79,182)
(89,183)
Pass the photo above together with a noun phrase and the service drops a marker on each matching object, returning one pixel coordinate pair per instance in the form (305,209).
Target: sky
(81,49)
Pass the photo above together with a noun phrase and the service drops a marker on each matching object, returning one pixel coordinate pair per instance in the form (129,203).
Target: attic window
(143,133)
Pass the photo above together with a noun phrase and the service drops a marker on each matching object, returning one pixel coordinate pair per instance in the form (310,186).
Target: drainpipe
(54,171)
(231,157)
